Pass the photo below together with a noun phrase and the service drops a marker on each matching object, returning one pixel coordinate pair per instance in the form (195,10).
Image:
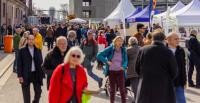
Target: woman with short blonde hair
(116,39)
(67,57)
(23,40)
(115,58)
(69,80)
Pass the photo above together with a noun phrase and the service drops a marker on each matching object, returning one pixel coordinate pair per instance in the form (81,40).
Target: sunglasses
(76,56)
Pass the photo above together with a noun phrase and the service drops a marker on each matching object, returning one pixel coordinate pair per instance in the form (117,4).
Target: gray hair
(60,38)
(194,32)
(73,49)
(132,41)
(71,33)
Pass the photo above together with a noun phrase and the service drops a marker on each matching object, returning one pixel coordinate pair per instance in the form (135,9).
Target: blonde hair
(73,49)
(26,33)
(116,38)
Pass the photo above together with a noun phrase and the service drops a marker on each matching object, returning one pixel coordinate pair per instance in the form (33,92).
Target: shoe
(191,85)
(100,83)
(14,71)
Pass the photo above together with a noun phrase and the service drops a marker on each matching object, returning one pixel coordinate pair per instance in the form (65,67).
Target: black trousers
(190,71)
(194,63)
(49,43)
(26,90)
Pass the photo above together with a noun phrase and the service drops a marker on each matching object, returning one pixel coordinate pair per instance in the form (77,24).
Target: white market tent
(77,20)
(123,10)
(175,8)
(189,15)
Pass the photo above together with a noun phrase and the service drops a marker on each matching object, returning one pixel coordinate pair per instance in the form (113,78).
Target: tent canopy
(138,9)
(77,20)
(189,15)
(175,8)
(142,16)
(123,10)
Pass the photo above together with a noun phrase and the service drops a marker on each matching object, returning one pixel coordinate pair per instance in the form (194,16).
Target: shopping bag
(86,98)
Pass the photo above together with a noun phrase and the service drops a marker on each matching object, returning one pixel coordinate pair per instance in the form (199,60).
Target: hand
(91,92)
(121,68)
(92,63)
(21,80)
(109,63)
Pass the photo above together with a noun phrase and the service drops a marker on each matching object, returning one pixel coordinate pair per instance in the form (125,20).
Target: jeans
(180,95)
(92,75)
(15,61)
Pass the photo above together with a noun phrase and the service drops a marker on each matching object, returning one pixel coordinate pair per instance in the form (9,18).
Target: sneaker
(191,85)
(100,83)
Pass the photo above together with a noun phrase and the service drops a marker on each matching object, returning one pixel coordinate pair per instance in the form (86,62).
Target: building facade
(100,9)
(13,12)
(161,4)
(95,9)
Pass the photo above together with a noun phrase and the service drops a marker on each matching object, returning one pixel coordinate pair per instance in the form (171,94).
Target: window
(86,13)
(4,9)
(86,2)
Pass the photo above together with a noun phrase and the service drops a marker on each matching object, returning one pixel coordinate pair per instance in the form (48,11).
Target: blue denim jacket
(107,54)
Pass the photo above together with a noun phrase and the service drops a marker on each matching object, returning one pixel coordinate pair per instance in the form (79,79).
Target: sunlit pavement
(11,90)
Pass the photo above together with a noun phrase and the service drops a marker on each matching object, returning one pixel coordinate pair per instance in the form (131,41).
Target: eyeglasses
(76,56)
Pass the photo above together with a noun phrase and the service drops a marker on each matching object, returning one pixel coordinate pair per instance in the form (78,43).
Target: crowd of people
(153,62)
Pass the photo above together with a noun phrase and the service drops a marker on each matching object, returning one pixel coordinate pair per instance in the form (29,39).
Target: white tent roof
(175,8)
(189,15)
(123,10)
(77,20)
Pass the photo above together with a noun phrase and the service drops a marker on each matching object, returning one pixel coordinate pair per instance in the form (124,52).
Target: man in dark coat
(59,31)
(29,70)
(157,68)
(55,57)
(194,48)
(179,53)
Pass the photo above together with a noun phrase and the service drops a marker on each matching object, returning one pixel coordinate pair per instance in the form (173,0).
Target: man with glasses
(139,35)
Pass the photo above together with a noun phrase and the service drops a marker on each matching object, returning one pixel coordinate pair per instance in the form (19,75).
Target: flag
(152,6)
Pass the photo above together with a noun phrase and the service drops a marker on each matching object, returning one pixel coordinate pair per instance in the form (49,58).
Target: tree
(64,9)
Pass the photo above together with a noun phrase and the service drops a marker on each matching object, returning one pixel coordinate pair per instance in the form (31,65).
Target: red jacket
(102,40)
(61,86)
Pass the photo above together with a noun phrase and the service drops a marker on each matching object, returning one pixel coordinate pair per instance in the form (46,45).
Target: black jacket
(194,48)
(157,68)
(180,79)
(24,63)
(52,60)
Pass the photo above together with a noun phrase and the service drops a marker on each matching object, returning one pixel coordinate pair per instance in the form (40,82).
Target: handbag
(85,98)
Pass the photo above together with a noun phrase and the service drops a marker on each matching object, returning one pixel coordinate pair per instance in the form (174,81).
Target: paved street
(11,90)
